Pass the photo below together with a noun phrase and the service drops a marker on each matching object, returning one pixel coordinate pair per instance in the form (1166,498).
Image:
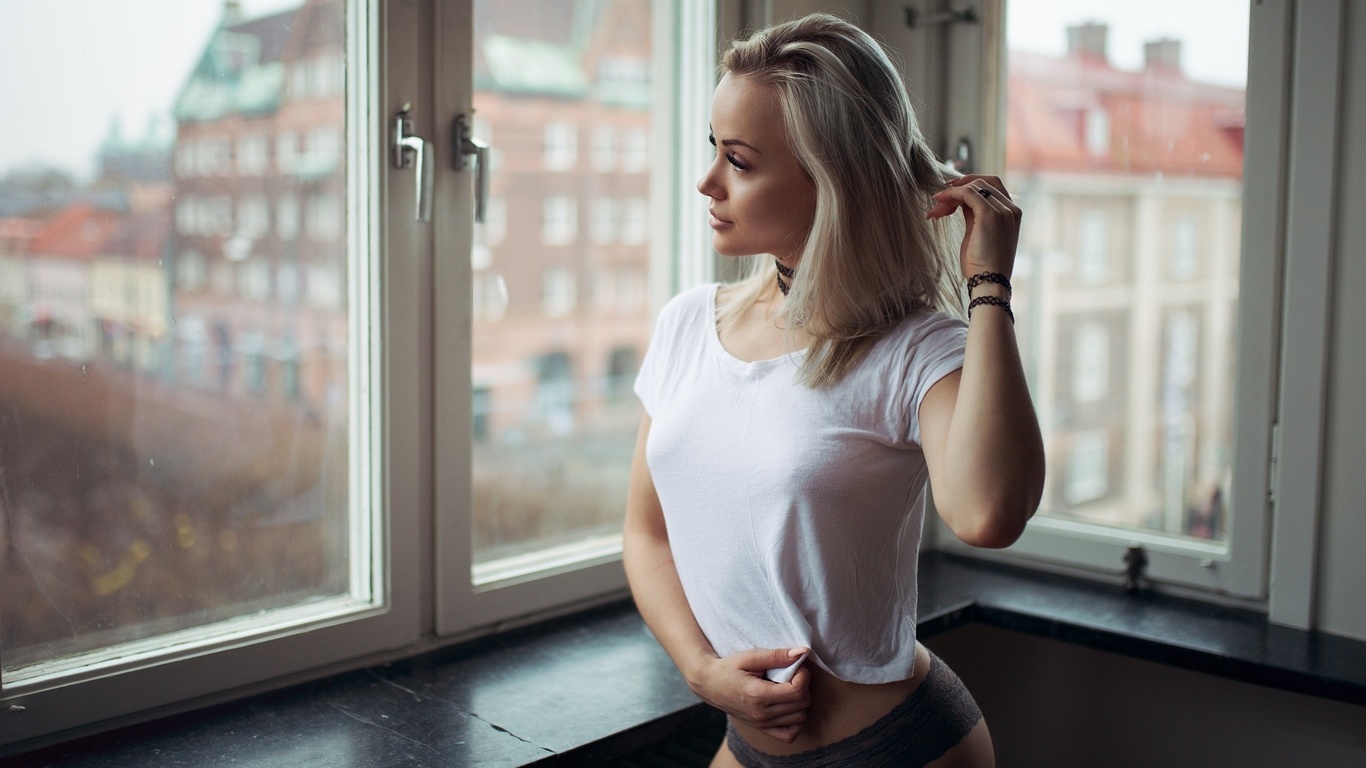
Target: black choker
(783,271)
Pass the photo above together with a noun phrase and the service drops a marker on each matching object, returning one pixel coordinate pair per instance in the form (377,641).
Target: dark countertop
(591,688)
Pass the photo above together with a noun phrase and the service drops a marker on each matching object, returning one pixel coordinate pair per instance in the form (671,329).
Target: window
(559,296)
(1091,362)
(561,146)
(1088,467)
(1185,263)
(604,220)
(256,512)
(604,148)
(253,155)
(1093,248)
(559,220)
(1127,153)
(635,151)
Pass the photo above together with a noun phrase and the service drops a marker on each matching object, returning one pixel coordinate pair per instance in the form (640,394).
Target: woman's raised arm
(978,429)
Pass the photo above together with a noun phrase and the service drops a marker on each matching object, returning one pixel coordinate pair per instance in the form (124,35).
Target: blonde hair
(870,258)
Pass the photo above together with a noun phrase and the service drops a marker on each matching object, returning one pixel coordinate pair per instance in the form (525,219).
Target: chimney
(1087,39)
(232,12)
(1162,54)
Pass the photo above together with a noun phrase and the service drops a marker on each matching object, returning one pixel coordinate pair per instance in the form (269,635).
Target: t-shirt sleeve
(647,378)
(653,367)
(936,352)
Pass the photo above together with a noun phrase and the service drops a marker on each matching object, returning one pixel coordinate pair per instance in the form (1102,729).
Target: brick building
(1128,271)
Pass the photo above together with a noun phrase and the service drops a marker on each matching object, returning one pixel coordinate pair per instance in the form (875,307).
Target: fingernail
(795,652)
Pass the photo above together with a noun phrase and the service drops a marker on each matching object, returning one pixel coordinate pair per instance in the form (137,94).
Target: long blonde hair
(870,258)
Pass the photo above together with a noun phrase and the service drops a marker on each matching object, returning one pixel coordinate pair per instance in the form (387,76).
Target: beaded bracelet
(995,301)
(989,277)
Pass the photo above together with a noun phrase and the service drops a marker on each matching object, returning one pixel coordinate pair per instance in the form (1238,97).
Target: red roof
(1154,120)
(79,231)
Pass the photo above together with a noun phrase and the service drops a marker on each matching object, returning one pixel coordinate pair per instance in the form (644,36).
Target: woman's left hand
(992,218)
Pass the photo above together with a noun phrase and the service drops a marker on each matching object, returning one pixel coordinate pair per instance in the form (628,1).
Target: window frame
(684,41)
(974,99)
(234,658)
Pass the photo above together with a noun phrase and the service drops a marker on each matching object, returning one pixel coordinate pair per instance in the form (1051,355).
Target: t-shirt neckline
(730,360)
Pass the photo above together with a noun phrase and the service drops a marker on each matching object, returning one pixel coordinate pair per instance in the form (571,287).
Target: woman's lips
(716,222)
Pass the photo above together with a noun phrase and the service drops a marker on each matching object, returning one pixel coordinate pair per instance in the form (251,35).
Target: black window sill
(592,688)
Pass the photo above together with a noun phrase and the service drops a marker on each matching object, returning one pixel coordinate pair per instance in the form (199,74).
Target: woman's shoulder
(928,323)
(687,306)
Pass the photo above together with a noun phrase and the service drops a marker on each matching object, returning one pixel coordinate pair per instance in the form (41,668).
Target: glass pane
(173,318)
(561,317)
(1124,144)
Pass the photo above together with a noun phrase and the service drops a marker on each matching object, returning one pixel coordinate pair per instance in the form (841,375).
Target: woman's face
(761,200)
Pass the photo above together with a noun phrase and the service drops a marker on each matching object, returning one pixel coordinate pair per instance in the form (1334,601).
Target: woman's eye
(735,161)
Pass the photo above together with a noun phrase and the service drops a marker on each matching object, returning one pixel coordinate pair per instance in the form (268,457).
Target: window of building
(323,220)
(559,295)
(287,216)
(604,220)
(253,155)
(559,220)
(635,151)
(1093,248)
(1088,467)
(604,148)
(495,225)
(1091,362)
(561,146)
(253,217)
(634,221)
(1185,259)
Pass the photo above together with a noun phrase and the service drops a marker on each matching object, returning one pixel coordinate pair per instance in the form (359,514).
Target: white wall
(1053,704)
(1341,585)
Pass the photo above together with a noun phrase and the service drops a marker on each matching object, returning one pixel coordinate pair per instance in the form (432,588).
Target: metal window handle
(463,147)
(411,151)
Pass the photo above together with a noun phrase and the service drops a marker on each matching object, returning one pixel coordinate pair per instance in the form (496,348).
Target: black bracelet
(989,277)
(995,301)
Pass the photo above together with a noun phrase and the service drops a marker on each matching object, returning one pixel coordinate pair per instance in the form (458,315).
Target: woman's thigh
(724,758)
(974,751)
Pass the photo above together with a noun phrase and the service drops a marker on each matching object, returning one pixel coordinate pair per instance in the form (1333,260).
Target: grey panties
(931,721)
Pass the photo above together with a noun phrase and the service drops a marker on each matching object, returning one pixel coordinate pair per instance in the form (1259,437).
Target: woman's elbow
(993,526)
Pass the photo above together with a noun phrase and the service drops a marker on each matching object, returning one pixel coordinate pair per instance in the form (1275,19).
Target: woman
(793,418)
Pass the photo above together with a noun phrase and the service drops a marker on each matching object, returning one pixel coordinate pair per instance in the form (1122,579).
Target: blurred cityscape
(1127,279)
(174,333)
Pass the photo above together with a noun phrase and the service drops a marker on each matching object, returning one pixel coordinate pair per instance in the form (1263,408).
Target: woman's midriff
(840,709)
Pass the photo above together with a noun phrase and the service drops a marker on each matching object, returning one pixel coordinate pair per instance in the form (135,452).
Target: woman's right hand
(736,685)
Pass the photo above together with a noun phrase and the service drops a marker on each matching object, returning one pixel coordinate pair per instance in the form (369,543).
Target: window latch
(465,146)
(1135,563)
(413,152)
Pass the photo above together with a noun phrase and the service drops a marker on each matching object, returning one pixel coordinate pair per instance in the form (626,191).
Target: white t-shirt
(794,514)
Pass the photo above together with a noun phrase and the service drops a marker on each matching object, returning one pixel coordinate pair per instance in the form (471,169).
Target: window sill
(587,689)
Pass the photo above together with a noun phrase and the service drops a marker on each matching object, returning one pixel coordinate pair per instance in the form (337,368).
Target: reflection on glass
(173,334)
(563,93)
(1124,143)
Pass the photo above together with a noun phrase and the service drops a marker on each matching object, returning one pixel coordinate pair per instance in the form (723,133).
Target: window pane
(560,317)
(174,371)
(1124,145)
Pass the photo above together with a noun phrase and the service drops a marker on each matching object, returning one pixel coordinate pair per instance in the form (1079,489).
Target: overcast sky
(68,67)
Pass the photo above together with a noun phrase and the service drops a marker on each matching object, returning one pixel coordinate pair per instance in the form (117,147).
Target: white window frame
(968,82)
(579,576)
(64,699)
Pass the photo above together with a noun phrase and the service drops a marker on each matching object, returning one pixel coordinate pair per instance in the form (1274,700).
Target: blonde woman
(795,417)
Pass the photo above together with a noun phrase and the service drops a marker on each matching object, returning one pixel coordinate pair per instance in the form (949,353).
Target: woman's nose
(707,184)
